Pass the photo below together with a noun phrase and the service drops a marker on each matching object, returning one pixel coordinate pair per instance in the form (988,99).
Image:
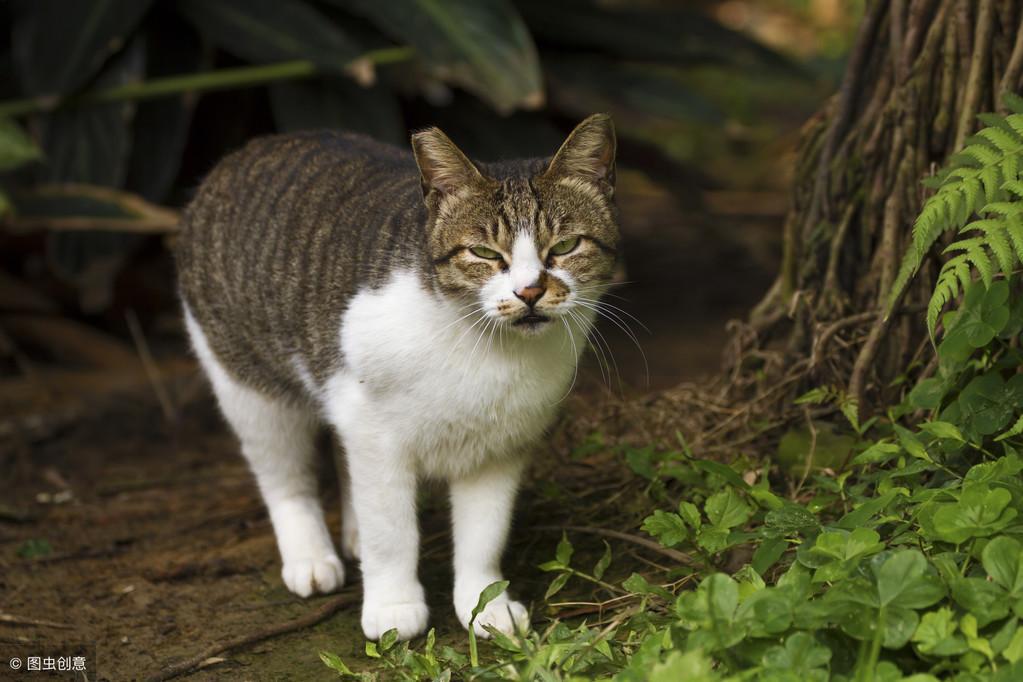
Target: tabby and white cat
(433,317)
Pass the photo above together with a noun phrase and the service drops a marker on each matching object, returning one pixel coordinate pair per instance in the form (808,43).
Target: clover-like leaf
(905,579)
(936,634)
(668,528)
(980,512)
(726,509)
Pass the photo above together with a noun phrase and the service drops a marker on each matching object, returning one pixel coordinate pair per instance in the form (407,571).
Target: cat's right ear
(444,168)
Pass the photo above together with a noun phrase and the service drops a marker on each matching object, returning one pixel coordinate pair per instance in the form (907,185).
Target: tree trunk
(919,73)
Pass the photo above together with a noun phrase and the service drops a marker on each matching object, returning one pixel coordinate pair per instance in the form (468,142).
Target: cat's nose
(530,293)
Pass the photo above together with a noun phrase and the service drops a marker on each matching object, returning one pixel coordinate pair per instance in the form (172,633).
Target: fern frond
(982,154)
(996,239)
(982,177)
(975,253)
(1000,134)
(1015,121)
(1014,187)
(955,272)
(991,178)
(1012,102)
(1014,229)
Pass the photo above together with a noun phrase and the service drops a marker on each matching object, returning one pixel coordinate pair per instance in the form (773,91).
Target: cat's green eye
(565,246)
(484,252)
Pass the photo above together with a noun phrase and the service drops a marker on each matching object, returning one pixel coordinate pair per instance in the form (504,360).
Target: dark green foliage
(903,563)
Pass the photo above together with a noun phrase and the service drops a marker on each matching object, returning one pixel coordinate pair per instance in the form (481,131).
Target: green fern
(982,180)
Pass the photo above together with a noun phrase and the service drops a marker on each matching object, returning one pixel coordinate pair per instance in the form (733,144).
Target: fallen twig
(678,556)
(11,619)
(326,610)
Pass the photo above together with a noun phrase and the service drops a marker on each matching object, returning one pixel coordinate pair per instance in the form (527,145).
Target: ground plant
(893,550)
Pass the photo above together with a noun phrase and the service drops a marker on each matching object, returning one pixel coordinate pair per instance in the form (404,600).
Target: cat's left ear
(444,168)
(589,153)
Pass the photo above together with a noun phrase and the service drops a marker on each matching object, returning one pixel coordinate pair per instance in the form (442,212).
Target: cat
(430,309)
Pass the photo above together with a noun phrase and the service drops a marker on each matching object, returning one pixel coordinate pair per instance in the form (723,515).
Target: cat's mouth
(531,321)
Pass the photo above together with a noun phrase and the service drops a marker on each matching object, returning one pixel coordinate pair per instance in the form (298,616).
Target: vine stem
(221,79)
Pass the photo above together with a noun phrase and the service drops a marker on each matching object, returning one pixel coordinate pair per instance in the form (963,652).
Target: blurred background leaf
(481,45)
(146,96)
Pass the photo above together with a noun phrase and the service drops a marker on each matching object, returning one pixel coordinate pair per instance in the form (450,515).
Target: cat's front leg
(383,494)
(481,508)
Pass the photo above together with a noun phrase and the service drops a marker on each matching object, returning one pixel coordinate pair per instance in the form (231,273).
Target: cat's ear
(444,168)
(589,153)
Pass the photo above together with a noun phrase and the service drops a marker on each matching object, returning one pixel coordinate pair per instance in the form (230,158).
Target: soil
(141,540)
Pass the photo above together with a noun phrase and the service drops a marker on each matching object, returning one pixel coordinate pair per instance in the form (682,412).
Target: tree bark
(919,73)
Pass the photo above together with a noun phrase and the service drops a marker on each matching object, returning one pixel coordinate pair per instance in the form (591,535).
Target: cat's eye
(484,252)
(565,246)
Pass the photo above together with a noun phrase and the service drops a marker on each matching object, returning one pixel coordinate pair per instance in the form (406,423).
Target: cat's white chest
(445,395)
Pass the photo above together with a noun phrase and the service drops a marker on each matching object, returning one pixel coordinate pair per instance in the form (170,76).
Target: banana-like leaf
(263,31)
(582,85)
(16,148)
(161,125)
(58,46)
(671,34)
(337,103)
(481,45)
(91,144)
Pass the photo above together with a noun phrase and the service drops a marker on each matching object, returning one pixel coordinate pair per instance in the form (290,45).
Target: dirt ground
(140,540)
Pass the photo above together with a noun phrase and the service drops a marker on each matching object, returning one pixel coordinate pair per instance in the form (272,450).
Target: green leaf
(906,580)
(726,509)
(726,472)
(668,528)
(983,314)
(1001,559)
(638,584)
(489,594)
(263,31)
(912,444)
(940,429)
(334,662)
(988,402)
(693,666)
(880,451)
(556,585)
(986,601)
(980,512)
(792,518)
(563,553)
(691,515)
(483,46)
(802,656)
(767,554)
(16,148)
(389,639)
(60,46)
(1014,651)
(936,634)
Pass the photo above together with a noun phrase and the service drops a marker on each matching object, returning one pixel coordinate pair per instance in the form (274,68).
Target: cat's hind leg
(278,440)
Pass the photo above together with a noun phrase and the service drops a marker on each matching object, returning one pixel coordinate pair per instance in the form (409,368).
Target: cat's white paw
(508,617)
(408,617)
(305,577)
(349,539)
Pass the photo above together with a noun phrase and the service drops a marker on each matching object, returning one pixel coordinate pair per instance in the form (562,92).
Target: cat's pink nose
(530,293)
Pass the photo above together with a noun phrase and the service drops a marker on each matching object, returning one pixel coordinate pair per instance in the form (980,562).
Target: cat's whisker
(483,332)
(617,309)
(621,324)
(575,355)
(461,336)
(598,352)
(600,342)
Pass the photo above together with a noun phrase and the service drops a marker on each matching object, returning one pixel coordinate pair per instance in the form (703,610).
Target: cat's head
(531,247)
